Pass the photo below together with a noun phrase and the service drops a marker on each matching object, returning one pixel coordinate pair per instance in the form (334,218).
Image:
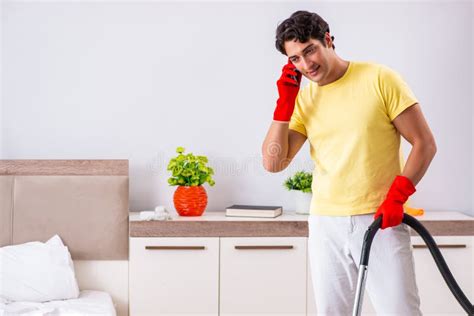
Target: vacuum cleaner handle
(368,238)
(437,256)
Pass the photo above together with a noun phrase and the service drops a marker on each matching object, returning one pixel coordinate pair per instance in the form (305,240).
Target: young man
(353,114)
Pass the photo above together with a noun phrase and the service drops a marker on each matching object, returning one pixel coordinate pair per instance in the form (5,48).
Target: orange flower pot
(190,201)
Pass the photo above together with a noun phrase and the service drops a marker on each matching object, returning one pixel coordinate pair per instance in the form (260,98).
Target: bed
(85,202)
(88,303)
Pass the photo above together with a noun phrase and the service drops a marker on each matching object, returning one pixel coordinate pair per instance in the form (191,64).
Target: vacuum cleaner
(428,239)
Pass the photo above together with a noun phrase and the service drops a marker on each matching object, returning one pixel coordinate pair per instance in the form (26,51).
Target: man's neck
(338,70)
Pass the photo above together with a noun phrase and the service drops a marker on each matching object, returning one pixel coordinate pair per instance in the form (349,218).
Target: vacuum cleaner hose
(437,256)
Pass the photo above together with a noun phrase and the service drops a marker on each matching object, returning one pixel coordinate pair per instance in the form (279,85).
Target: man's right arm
(281,143)
(280,146)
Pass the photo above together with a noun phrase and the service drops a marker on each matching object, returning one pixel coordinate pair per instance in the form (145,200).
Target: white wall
(2,124)
(129,80)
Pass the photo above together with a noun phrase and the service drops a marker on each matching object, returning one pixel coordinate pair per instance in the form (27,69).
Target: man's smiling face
(311,58)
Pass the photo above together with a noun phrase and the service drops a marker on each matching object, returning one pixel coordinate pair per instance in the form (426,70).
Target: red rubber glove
(288,87)
(392,207)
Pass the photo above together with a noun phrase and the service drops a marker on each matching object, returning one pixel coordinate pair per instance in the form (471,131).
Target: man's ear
(328,40)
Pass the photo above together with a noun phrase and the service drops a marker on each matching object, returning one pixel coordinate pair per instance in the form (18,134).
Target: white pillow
(37,272)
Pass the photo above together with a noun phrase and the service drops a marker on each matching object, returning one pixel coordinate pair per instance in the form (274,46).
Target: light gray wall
(2,124)
(135,80)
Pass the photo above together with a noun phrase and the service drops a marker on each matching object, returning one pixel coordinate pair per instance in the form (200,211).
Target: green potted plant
(189,173)
(300,183)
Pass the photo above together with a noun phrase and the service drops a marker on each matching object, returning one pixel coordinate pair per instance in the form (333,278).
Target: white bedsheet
(89,303)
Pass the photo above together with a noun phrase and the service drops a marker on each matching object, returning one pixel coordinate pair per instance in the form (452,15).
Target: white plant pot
(303,202)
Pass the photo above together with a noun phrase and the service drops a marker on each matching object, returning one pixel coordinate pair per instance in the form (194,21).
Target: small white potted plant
(300,183)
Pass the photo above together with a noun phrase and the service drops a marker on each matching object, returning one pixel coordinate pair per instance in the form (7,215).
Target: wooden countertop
(289,224)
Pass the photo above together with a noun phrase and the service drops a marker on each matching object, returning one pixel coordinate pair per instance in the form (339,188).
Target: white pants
(334,247)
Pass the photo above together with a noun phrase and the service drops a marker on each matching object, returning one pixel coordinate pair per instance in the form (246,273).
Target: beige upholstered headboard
(85,202)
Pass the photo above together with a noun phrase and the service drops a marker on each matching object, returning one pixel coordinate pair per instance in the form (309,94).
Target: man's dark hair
(301,25)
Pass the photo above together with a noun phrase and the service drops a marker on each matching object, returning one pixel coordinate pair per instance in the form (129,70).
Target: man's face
(310,58)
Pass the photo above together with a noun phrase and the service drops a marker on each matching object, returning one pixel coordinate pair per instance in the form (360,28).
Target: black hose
(368,238)
(437,256)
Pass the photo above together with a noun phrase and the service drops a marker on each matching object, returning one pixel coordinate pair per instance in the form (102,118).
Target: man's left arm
(413,127)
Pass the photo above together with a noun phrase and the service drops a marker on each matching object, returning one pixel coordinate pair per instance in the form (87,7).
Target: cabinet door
(171,276)
(264,275)
(435,296)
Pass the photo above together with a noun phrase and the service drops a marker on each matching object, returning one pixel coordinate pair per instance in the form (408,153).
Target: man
(353,114)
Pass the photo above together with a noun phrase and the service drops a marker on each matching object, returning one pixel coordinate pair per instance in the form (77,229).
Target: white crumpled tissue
(159,214)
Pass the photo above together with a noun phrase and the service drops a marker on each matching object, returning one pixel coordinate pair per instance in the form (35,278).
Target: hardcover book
(253,211)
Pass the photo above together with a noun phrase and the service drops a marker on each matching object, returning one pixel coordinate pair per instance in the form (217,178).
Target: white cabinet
(264,275)
(170,276)
(435,296)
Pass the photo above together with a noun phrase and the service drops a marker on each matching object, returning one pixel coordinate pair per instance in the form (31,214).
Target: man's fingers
(291,72)
(289,82)
(289,79)
(288,67)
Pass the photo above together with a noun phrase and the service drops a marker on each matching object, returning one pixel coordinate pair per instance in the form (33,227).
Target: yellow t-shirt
(353,142)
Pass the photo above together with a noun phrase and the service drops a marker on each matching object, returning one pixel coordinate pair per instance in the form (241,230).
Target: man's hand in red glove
(288,87)
(392,208)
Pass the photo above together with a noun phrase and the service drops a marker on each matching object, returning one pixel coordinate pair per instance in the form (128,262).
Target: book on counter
(253,211)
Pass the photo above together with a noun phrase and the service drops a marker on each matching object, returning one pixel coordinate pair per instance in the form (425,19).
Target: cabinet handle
(264,247)
(441,246)
(175,247)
